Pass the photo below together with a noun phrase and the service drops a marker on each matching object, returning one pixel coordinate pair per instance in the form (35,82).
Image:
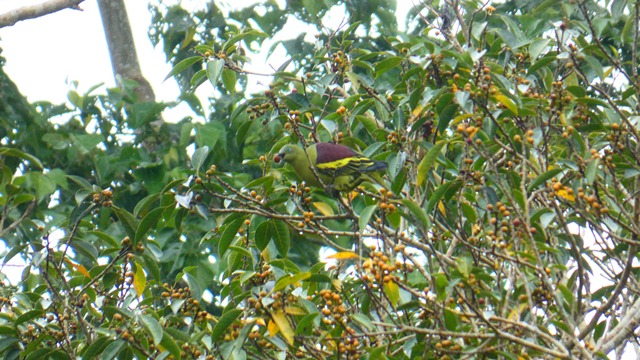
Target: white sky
(44,55)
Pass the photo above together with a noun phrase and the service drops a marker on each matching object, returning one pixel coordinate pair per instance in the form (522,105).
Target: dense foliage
(508,229)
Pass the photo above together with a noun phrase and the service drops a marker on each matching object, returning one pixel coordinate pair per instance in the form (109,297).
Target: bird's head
(288,153)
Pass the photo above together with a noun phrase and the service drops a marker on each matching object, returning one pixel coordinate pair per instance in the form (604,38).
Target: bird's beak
(279,158)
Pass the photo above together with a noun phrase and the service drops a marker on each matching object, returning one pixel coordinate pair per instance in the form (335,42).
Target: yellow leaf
(260,321)
(325,209)
(441,207)
(418,110)
(272,328)
(139,280)
(294,310)
(392,291)
(81,269)
(459,118)
(563,193)
(508,103)
(337,284)
(283,325)
(328,342)
(352,195)
(515,313)
(343,255)
(266,255)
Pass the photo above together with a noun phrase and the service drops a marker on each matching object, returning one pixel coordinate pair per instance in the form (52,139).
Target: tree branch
(38,10)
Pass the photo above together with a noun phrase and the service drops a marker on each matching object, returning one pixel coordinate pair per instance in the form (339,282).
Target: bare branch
(38,10)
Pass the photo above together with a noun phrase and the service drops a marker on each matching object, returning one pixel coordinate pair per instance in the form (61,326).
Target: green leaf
(427,161)
(450,320)
(29,315)
(177,334)
(43,185)
(153,327)
(263,234)
(363,320)
(112,350)
(183,65)
(15,250)
(464,265)
(229,79)
(214,70)
(469,212)
(13,152)
(281,237)
(387,64)
(595,65)
(229,233)
(378,353)
(306,325)
(169,344)
(543,178)
(148,222)
(228,318)
(417,212)
(96,347)
(143,206)
(598,331)
(567,294)
(365,216)
(591,171)
(536,47)
(246,34)
(198,157)
(287,280)
(439,193)
(127,220)
(545,60)
(8,330)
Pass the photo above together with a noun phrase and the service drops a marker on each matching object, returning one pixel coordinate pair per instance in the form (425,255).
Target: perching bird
(339,167)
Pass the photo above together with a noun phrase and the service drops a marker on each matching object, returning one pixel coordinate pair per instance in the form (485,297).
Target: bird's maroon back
(327,152)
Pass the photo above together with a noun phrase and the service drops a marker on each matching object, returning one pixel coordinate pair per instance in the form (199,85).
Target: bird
(339,167)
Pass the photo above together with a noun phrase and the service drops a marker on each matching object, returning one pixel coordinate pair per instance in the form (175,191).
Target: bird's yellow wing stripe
(344,166)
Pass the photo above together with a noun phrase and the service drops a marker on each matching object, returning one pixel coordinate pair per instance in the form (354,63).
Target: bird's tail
(377,166)
(373,173)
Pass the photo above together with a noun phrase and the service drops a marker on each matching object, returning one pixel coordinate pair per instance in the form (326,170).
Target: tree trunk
(124,60)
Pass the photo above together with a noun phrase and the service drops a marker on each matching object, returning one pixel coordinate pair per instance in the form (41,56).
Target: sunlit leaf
(139,280)
(324,208)
(508,103)
(344,255)
(280,319)
(428,160)
(392,290)
(287,280)
(565,194)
